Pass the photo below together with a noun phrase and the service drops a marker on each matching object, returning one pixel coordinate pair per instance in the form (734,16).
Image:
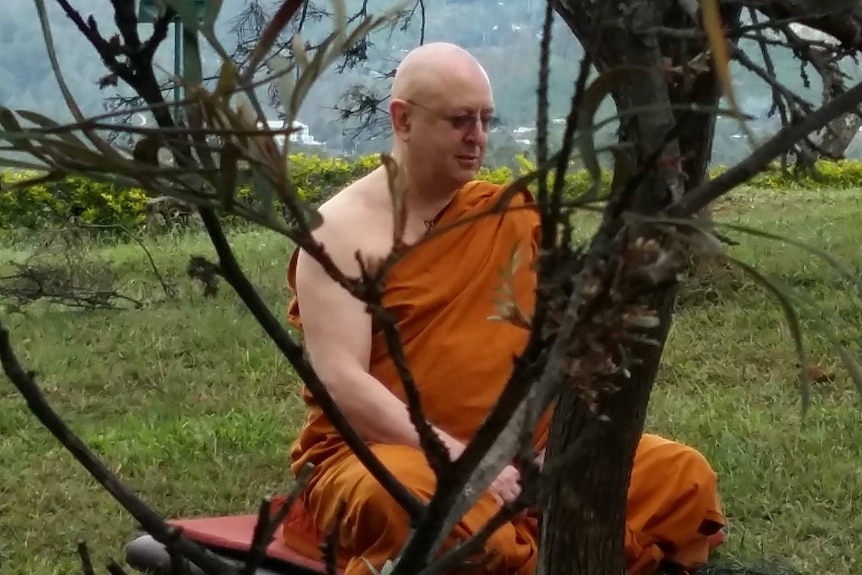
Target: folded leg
(374,528)
(673,506)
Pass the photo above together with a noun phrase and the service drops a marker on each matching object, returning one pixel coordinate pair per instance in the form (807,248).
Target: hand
(507,486)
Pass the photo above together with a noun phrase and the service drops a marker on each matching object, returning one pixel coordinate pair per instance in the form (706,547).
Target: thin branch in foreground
(268,523)
(783,140)
(432,446)
(329,547)
(25,383)
(259,539)
(542,101)
(233,274)
(178,563)
(534,495)
(86,560)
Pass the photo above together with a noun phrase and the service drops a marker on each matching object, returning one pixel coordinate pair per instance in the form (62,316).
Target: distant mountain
(503,34)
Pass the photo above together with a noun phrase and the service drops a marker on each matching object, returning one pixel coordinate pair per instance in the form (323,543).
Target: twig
(259,542)
(422,17)
(735,32)
(542,101)
(178,563)
(169,290)
(783,140)
(142,78)
(329,546)
(86,561)
(267,38)
(777,101)
(777,87)
(267,523)
(127,24)
(432,446)
(234,275)
(166,287)
(533,494)
(160,33)
(149,519)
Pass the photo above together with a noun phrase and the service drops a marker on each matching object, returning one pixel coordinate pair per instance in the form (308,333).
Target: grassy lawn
(194,408)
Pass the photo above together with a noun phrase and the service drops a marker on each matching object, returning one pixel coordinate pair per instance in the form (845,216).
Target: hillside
(502,33)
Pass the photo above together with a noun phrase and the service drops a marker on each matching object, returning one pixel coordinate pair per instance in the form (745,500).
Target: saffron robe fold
(442,295)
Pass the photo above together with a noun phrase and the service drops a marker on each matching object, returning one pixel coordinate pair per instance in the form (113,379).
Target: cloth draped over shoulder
(444,296)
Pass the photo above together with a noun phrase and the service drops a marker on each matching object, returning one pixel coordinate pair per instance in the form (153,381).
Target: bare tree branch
(772,148)
(25,383)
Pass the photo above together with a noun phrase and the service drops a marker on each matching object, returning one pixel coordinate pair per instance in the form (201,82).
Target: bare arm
(337,332)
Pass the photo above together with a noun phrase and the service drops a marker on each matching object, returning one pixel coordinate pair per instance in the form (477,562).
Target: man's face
(449,133)
(456,138)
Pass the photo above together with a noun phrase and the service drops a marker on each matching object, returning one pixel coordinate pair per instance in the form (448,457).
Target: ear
(399,114)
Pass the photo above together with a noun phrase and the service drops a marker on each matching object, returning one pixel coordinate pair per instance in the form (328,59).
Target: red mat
(235,533)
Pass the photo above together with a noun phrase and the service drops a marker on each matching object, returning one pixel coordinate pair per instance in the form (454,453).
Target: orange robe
(443,295)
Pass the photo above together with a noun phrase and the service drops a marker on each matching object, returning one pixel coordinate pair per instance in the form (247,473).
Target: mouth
(467,158)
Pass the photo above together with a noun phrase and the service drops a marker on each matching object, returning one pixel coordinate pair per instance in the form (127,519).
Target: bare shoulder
(352,221)
(349,225)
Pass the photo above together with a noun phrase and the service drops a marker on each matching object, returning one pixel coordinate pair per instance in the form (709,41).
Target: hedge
(50,204)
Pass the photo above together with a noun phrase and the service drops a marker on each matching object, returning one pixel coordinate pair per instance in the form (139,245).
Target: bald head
(432,69)
(440,109)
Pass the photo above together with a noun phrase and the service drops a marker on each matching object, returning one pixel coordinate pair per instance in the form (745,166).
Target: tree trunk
(697,132)
(838,136)
(832,142)
(583,525)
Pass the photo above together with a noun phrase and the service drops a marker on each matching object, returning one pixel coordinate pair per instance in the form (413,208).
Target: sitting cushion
(234,533)
(232,536)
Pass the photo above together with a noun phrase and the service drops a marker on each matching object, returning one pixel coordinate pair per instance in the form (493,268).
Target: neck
(426,195)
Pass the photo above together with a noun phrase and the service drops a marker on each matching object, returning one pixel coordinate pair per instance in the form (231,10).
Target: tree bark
(835,140)
(583,525)
(697,132)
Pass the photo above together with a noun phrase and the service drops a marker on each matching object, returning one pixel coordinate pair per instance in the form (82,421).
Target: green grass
(199,419)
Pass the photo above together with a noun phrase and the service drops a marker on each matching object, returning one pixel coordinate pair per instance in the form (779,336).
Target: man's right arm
(337,333)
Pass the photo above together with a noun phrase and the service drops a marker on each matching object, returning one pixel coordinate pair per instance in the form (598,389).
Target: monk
(442,297)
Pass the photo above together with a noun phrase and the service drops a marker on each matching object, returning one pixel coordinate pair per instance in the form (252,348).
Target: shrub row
(99,203)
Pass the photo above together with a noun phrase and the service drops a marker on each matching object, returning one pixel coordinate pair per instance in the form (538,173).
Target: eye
(461,122)
(490,122)
(467,120)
